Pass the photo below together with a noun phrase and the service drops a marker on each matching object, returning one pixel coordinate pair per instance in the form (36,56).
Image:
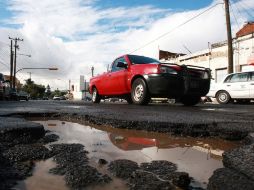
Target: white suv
(235,86)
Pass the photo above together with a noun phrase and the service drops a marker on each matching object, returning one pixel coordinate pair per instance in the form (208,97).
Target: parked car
(62,98)
(56,98)
(138,78)
(12,95)
(45,98)
(4,87)
(22,95)
(87,98)
(235,86)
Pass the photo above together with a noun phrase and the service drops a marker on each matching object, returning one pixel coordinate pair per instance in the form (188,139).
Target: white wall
(218,58)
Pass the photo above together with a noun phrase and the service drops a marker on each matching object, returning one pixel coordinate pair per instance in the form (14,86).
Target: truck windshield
(136,59)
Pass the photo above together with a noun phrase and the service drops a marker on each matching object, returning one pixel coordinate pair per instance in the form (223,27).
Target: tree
(35,90)
(48,91)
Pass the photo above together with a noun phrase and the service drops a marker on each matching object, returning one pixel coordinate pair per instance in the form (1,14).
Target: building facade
(79,89)
(216,57)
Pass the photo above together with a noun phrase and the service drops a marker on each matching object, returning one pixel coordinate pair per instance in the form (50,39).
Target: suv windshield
(136,59)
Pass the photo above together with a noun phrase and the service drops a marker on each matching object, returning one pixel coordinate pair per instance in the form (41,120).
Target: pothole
(199,157)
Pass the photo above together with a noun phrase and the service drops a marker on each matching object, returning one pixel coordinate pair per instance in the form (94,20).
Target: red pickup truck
(138,78)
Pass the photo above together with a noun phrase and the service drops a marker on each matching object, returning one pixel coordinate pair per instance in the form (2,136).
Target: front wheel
(190,100)
(139,92)
(223,97)
(95,96)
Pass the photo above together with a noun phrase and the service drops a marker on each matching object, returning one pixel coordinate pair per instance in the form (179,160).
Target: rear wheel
(139,92)
(223,97)
(95,96)
(190,100)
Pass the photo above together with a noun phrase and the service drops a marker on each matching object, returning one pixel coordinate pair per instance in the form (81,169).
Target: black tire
(223,97)
(129,99)
(139,92)
(190,100)
(95,96)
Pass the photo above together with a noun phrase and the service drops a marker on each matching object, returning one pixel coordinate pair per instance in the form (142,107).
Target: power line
(232,10)
(247,6)
(238,9)
(180,25)
(4,64)
(245,9)
(4,43)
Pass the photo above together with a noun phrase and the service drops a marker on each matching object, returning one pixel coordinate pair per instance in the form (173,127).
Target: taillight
(167,69)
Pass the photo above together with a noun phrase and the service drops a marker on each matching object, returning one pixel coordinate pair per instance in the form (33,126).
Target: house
(216,57)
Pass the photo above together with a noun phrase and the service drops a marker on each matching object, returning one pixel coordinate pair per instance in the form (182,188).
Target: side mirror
(122,65)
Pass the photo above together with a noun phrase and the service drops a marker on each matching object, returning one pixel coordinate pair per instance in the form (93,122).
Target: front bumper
(175,86)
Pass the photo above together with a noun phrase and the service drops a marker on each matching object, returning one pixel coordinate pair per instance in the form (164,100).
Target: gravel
(228,179)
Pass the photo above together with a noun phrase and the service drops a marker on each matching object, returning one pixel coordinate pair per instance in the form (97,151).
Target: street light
(40,68)
(50,68)
(24,54)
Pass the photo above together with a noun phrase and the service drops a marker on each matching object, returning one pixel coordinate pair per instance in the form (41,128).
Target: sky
(74,35)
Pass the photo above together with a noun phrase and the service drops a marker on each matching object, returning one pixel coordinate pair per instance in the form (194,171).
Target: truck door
(118,78)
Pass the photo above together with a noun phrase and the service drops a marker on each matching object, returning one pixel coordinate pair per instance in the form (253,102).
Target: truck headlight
(164,69)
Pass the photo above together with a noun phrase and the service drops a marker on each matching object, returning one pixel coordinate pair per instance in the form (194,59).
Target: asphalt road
(173,113)
(231,122)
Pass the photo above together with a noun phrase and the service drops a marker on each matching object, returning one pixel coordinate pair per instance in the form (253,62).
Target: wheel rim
(223,97)
(138,93)
(94,95)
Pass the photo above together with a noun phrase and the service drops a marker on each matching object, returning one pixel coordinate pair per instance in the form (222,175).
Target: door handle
(228,85)
(251,83)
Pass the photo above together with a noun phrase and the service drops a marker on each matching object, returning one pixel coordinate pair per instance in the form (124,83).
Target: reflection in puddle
(42,180)
(196,156)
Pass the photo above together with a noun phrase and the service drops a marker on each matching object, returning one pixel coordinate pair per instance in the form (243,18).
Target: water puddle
(196,156)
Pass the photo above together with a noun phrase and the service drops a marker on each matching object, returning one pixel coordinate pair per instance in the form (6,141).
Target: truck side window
(114,65)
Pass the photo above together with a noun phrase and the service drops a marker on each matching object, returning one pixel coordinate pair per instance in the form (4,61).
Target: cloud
(75,35)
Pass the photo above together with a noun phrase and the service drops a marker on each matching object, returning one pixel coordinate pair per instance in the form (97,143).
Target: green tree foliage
(48,91)
(35,90)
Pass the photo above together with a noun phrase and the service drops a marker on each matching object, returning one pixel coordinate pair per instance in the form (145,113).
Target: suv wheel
(190,100)
(95,96)
(139,92)
(223,97)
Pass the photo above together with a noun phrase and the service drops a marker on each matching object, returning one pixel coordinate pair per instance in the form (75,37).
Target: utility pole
(30,73)
(15,59)
(69,86)
(92,69)
(229,35)
(11,65)
(85,89)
